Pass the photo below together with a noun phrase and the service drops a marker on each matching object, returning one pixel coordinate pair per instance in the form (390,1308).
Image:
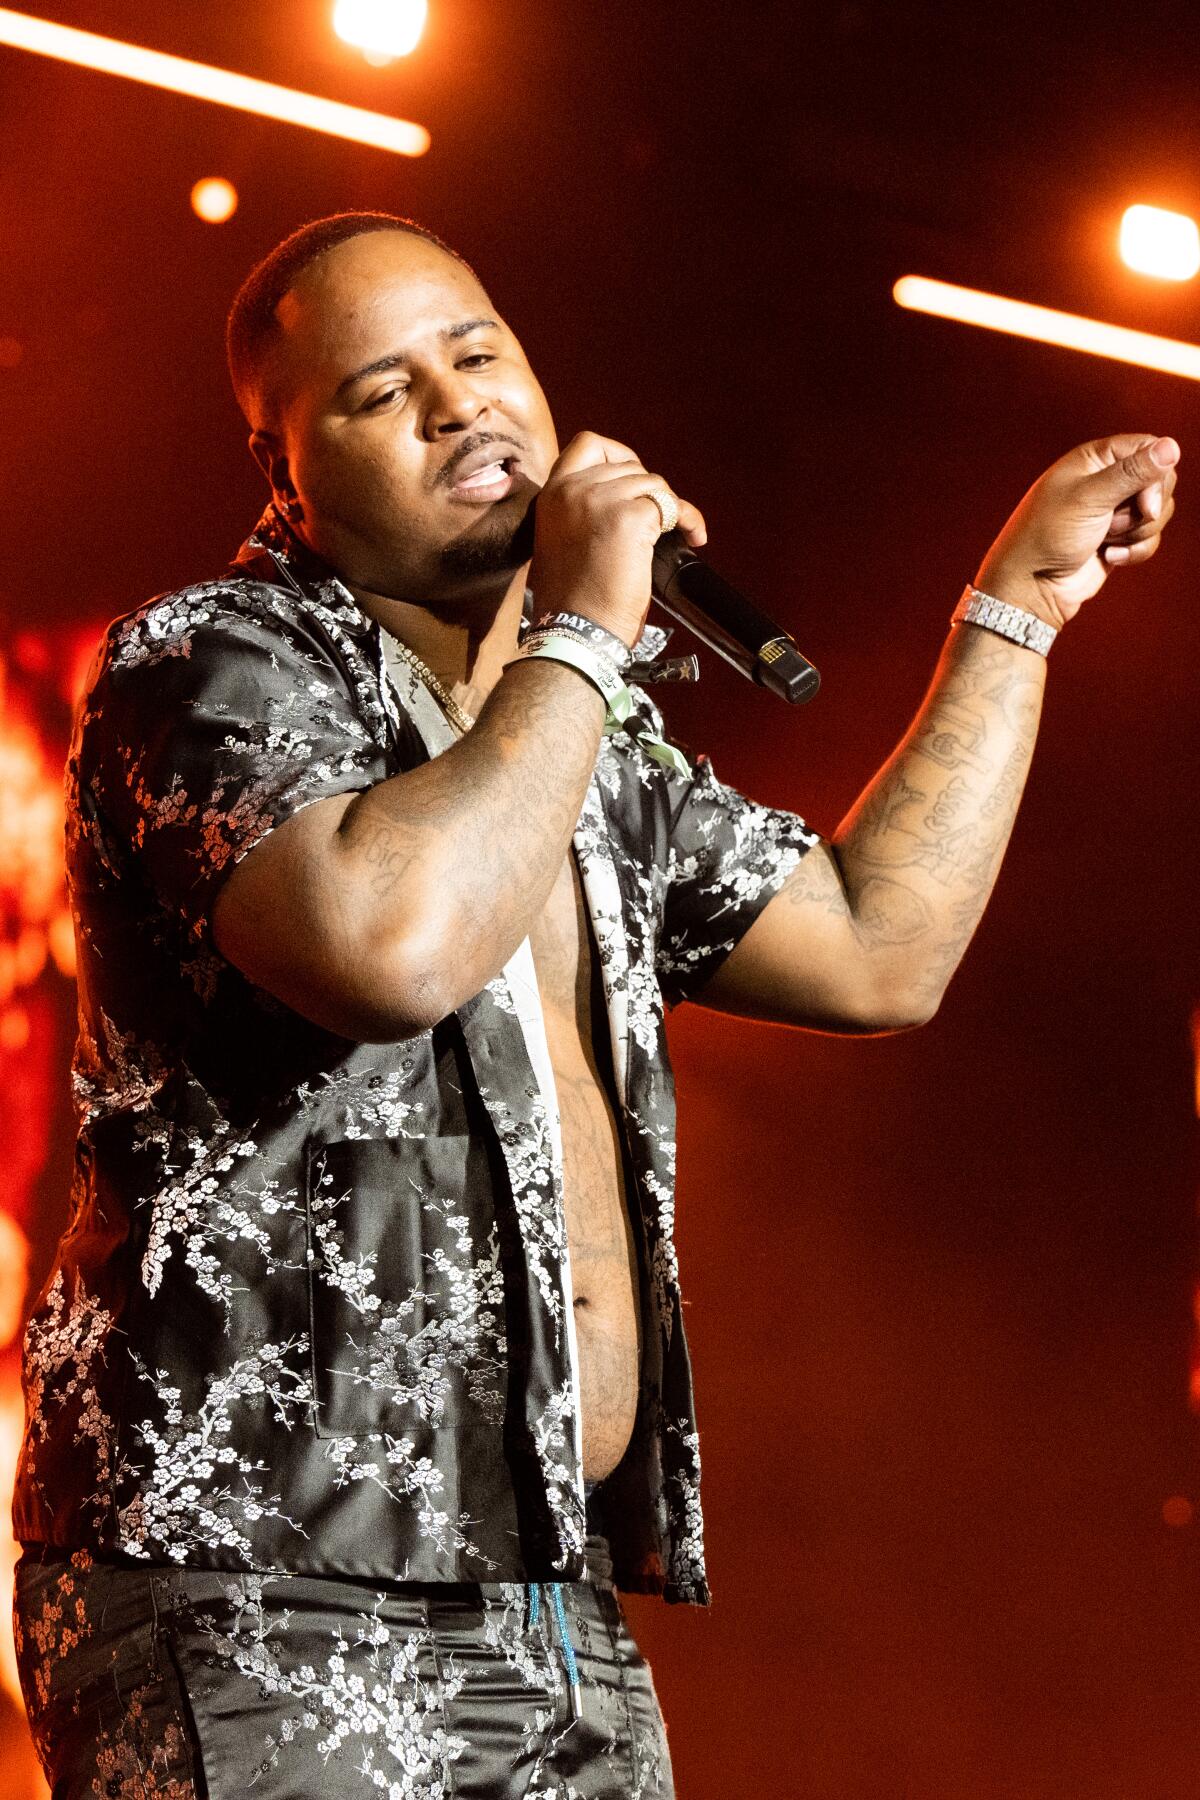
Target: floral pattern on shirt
(312,1309)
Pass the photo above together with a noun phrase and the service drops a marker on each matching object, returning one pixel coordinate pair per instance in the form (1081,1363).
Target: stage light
(1070,331)
(201,82)
(381,28)
(1156,242)
(14,1028)
(214,199)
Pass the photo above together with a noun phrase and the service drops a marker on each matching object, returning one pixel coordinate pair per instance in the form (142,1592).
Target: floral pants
(183,1683)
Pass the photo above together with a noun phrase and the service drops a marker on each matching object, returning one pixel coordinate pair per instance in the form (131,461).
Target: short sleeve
(212,718)
(727,856)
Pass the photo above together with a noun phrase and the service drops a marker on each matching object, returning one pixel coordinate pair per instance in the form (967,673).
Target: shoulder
(228,610)
(237,635)
(240,653)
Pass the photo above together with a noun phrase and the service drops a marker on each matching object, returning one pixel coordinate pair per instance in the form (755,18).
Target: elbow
(407,1001)
(308,941)
(363,1011)
(410,982)
(904,1018)
(375,997)
(896,1009)
(376,1020)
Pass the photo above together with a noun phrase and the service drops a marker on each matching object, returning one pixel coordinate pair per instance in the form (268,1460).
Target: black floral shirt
(312,1309)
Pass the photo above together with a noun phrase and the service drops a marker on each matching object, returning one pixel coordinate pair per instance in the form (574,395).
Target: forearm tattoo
(919,853)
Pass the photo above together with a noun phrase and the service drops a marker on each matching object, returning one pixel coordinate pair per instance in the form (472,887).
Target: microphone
(726,621)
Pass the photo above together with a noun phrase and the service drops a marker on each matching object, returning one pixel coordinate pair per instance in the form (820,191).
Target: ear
(271,458)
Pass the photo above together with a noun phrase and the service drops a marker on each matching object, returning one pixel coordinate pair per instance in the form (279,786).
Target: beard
(498,550)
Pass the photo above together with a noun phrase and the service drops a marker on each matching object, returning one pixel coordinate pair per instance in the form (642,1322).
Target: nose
(455,404)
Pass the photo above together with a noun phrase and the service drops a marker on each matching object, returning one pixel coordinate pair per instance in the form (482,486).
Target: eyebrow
(398,359)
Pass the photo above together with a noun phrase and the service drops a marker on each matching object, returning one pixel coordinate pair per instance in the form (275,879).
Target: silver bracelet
(1016,623)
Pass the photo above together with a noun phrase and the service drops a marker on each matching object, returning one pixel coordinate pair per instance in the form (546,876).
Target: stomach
(606,1333)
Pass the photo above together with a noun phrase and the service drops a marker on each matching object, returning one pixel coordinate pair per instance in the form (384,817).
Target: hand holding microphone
(610,536)
(598,519)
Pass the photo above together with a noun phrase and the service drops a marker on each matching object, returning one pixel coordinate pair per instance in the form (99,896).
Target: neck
(466,647)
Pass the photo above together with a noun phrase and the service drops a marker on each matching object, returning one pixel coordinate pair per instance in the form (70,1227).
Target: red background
(939,1284)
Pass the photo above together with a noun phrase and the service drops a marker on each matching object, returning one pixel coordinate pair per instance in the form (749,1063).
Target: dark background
(940,1283)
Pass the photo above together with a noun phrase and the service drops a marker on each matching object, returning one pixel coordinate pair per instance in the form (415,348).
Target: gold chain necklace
(453,711)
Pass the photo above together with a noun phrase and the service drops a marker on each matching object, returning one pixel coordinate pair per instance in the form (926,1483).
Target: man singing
(360,1386)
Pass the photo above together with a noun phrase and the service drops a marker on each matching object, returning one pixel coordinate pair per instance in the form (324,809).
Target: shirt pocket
(406,1304)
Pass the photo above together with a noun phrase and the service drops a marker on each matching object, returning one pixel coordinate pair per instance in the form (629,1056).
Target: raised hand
(1101,506)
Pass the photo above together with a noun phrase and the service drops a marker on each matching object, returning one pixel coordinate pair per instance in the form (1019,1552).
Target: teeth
(484,477)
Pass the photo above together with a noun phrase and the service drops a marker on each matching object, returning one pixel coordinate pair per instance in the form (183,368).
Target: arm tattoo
(385,858)
(920,851)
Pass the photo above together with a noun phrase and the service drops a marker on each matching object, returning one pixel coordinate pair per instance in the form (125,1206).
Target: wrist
(584,601)
(560,645)
(1017,587)
(1018,624)
(586,630)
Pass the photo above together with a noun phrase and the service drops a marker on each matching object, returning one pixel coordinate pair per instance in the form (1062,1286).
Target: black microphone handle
(728,623)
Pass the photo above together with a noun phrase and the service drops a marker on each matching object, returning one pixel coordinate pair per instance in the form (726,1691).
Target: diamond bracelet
(1016,623)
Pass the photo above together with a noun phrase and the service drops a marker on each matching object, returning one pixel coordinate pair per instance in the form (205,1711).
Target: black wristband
(606,641)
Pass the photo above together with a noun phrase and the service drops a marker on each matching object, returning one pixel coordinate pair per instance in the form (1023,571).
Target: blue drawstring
(564,1638)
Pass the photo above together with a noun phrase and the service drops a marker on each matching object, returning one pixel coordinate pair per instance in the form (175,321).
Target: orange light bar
(201,82)
(1070,331)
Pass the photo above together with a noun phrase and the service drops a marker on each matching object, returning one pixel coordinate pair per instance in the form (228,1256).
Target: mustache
(474,440)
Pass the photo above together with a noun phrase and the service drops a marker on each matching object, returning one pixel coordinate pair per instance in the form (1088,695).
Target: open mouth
(491,482)
(483,480)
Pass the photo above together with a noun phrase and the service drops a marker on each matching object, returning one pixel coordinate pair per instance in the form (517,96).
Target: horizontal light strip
(202,82)
(1068,330)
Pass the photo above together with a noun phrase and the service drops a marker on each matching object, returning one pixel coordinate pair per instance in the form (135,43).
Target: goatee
(493,552)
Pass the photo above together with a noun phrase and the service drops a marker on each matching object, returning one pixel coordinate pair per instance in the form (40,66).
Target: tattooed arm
(867,932)
(376,914)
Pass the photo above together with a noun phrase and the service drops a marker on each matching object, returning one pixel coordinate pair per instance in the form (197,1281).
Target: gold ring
(668,510)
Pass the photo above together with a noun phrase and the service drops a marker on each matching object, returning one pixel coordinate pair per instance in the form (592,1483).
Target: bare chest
(599,1235)
(577,1035)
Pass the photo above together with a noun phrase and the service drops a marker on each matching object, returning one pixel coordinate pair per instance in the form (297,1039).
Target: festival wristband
(598,668)
(607,642)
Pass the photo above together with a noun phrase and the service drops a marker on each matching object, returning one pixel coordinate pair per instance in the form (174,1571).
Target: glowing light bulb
(381,28)
(1156,242)
(214,199)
